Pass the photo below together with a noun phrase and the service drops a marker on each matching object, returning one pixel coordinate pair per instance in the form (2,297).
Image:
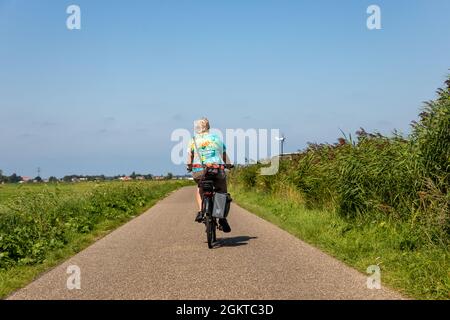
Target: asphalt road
(162,254)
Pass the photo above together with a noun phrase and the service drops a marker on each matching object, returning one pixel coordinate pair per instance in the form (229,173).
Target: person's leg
(198,197)
(220,183)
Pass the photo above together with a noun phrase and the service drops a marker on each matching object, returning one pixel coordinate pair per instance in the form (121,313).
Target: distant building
(185,177)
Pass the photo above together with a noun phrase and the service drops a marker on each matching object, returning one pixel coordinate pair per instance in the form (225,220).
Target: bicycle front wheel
(214,230)
(210,231)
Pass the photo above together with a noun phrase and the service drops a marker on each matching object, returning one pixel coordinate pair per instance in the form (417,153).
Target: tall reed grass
(375,177)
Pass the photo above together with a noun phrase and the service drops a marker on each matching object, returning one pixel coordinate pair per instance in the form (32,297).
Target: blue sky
(105,99)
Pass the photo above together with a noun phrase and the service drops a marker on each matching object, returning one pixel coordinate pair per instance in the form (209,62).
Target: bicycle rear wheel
(210,230)
(214,230)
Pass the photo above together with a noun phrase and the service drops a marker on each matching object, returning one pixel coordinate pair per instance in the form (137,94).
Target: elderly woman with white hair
(206,149)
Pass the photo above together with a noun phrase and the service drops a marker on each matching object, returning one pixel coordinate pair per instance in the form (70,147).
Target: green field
(43,224)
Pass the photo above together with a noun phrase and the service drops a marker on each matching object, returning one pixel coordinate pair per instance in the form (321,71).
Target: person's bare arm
(225,158)
(190,159)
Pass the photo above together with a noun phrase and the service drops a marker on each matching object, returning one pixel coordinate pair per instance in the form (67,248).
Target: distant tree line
(14,178)
(76,177)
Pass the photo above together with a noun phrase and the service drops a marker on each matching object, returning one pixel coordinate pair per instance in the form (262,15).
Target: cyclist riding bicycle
(207,149)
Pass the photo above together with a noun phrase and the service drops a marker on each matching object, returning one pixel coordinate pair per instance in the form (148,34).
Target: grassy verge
(417,272)
(21,272)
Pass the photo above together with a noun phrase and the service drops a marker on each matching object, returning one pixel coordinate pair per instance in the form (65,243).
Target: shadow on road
(234,241)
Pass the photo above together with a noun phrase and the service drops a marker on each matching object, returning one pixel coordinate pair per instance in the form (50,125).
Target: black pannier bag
(222,203)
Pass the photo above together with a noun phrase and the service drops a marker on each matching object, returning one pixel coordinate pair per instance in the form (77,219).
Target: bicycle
(208,200)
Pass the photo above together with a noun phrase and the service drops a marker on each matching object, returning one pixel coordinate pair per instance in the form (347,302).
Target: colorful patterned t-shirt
(210,147)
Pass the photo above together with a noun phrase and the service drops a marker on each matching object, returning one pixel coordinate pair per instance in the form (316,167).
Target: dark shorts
(219,180)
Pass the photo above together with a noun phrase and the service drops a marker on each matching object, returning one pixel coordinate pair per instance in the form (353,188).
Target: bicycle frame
(208,189)
(207,208)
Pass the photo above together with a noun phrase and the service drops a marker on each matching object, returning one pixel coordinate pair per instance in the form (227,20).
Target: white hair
(201,126)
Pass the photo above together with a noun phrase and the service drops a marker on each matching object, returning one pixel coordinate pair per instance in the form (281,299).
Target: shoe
(225,226)
(199,217)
